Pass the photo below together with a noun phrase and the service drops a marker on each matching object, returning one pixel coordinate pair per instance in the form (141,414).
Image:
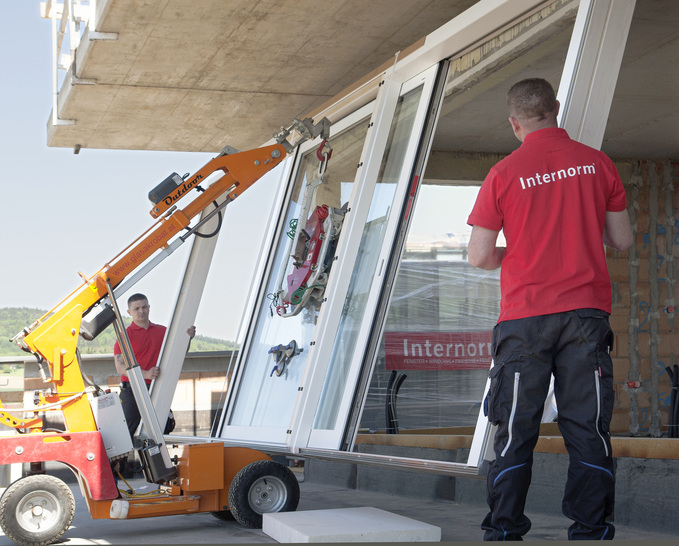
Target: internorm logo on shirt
(561,174)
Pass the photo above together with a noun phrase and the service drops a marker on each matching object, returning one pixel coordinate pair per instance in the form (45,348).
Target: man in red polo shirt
(558,203)
(147,340)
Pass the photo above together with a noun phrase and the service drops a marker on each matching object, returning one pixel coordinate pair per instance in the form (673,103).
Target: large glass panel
(435,355)
(276,361)
(366,264)
(432,362)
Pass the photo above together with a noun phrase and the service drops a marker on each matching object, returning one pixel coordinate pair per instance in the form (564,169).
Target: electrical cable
(219,224)
(396,379)
(397,387)
(130,493)
(51,405)
(388,410)
(85,377)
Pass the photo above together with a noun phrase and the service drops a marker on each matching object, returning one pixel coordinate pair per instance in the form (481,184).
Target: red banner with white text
(438,350)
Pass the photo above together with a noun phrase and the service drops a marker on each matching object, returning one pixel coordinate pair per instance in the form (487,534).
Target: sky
(62,213)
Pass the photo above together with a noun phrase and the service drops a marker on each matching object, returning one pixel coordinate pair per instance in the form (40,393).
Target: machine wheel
(223,515)
(36,510)
(262,487)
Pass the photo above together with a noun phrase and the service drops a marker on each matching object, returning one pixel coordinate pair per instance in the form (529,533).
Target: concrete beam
(459,168)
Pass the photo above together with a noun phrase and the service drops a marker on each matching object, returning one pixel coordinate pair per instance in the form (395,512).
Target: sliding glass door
(387,193)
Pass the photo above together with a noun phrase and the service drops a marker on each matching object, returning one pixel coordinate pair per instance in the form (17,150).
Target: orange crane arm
(54,337)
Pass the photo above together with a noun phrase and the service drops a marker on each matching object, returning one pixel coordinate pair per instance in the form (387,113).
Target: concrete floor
(457,522)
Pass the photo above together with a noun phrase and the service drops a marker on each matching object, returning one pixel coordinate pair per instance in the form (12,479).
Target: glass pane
(433,360)
(273,369)
(366,264)
(436,350)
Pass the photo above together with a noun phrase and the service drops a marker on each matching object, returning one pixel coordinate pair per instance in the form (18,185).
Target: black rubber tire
(260,488)
(36,510)
(223,515)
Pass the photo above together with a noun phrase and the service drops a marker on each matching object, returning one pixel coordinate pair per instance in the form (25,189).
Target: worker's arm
(121,368)
(618,230)
(119,360)
(481,251)
(120,364)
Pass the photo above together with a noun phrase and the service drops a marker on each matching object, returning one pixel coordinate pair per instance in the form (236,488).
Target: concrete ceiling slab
(200,75)
(195,76)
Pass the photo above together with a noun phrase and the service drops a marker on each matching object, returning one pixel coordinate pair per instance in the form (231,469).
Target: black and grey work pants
(575,347)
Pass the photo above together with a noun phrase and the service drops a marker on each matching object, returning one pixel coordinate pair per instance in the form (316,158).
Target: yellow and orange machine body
(204,470)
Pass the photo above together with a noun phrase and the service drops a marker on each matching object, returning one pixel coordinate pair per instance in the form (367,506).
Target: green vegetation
(15,319)
(12,321)
(204,344)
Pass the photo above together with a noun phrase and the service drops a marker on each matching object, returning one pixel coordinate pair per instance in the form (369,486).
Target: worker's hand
(191,331)
(151,374)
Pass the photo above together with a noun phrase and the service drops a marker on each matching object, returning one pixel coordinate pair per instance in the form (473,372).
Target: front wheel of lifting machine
(259,488)
(36,510)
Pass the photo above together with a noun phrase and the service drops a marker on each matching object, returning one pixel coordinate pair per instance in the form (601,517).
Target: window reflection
(434,358)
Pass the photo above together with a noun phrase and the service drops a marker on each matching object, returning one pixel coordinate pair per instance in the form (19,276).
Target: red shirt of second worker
(146,345)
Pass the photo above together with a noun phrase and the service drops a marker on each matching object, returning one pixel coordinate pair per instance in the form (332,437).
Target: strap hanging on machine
(323,153)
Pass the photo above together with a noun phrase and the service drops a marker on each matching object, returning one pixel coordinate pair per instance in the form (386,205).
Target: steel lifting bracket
(307,130)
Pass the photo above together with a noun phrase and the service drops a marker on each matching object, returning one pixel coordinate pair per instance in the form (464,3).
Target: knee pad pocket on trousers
(606,390)
(596,329)
(498,402)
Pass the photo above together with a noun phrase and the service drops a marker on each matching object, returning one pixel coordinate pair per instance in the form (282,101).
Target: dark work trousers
(131,411)
(575,347)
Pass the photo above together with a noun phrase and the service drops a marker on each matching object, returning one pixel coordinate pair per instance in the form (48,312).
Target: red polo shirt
(550,198)
(146,344)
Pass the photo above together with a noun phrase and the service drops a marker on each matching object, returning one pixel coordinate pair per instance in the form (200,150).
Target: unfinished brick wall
(644,294)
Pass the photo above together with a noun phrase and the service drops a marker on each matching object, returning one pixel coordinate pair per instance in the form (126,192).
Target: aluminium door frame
(374,157)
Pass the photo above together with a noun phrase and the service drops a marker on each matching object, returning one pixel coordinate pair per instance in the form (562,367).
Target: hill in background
(15,319)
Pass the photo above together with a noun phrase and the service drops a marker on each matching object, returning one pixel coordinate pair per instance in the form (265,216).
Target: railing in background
(73,22)
(196,402)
